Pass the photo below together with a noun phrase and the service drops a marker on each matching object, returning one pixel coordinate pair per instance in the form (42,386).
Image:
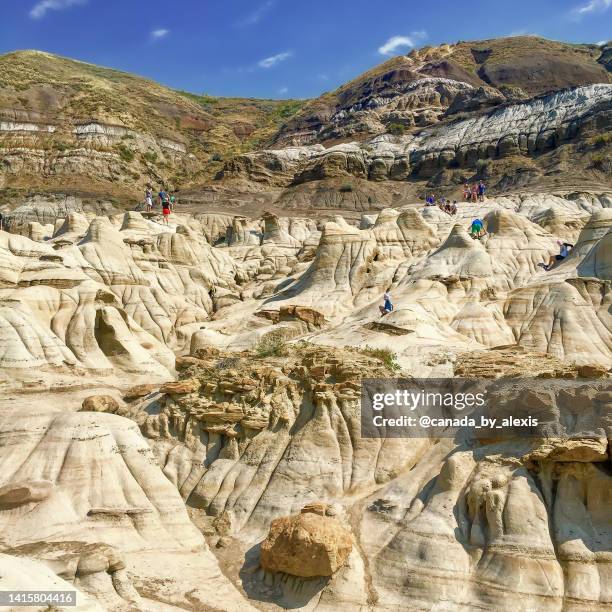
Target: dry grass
(65,92)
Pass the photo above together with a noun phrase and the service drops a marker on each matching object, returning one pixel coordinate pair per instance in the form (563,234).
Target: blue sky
(276,48)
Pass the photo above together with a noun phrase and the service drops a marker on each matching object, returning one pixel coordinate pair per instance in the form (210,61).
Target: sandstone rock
(305,545)
(100,403)
(140,391)
(180,387)
(592,371)
(313,318)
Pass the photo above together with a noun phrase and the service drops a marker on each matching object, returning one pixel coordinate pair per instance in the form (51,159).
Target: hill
(81,128)
(396,94)
(522,113)
(78,129)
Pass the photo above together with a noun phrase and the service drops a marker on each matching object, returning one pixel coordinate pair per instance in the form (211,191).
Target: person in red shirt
(166,211)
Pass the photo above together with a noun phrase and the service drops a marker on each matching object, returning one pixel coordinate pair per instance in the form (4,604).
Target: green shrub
(217,157)
(601,140)
(271,345)
(127,155)
(60,146)
(288,108)
(396,129)
(346,188)
(388,357)
(600,161)
(150,156)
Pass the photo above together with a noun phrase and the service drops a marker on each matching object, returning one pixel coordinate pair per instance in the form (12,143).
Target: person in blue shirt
(387,307)
(163,196)
(477,229)
(481,191)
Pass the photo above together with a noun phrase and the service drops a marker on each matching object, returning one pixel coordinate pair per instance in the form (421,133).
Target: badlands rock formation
(246,483)
(526,128)
(432,83)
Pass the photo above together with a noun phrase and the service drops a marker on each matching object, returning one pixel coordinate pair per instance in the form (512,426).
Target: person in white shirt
(564,251)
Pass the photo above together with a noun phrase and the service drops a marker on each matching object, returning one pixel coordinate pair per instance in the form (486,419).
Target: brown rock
(306,545)
(592,371)
(140,391)
(319,508)
(184,361)
(180,387)
(100,403)
(585,450)
(313,318)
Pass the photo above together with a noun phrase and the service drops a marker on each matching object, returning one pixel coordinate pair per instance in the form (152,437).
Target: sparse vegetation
(127,155)
(387,356)
(396,129)
(346,188)
(601,161)
(216,157)
(271,345)
(203,100)
(150,157)
(287,109)
(601,140)
(58,145)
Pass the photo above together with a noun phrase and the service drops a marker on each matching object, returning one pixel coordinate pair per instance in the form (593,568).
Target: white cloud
(394,43)
(40,9)
(271,61)
(593,6)
(283,90)
(159,34)
(257,14)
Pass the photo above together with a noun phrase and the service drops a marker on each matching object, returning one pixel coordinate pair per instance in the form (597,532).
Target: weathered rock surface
(526,128)
(117,470)
(306,545)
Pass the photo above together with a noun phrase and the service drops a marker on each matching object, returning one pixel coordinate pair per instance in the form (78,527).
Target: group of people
(442,203)
(167,202)
(475,192)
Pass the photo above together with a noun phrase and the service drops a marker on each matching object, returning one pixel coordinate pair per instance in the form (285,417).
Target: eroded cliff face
(69,126)
(145,492)
(124,292)
(433,83)
(248,439)
(528,128)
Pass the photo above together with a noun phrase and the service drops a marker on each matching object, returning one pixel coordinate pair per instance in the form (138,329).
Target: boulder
(306,545)
(100,403)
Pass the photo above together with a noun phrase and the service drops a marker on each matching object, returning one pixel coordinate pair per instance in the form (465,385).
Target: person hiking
(481,191)
(166,210)
(477,229)
(172,202)
(387,306)
(163,196)
(453,208)
(149,199)
(474,192)
(467,192)
(430,200)
(564,251)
